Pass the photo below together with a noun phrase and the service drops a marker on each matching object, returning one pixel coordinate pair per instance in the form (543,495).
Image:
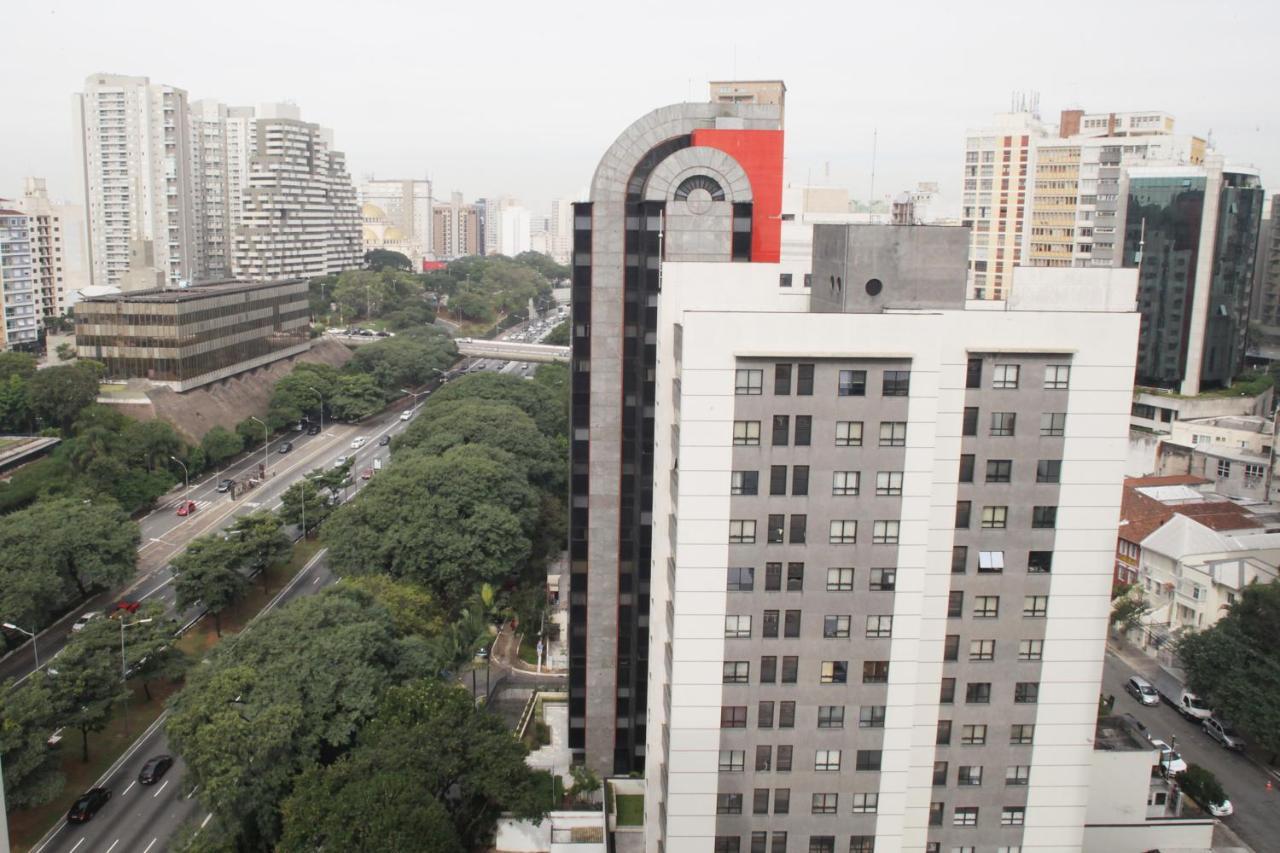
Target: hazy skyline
(522,99)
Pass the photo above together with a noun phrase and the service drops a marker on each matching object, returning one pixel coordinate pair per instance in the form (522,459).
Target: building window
(742,532)
(821,844)
(800,480)
(1035,605)
(867,759)
(746,433)
(786,715)
(862,843)
(879,627)
(804,430)
(990,562)
(955,604)
(732,760)
(790,669)
(853,383)
(1049,471)
(827,760)
(759,805)
(727,844)
(764,715)
(940,773)
(889,483)
(1224,468)
(1021,734)
(884,580)
(737,627)
(804,380)
(831,716)
(982,650)
(845,483)
(973,373)
(791,624)
(1057,377)
(799,526)
(768,669)
(875,672)
(776,529)
(1012,815)
(728,804)
(848,433)
(824,804)
(784,759)
(840,580)
(1053,423)
(764,758)
(986,606)
(966,816)
(781,430)
(951,647)
(959,558)
(781,805)
(893,434)
(784,279)
(943,737)
(947,691)
(1026,692)
(978,693)
(769,624)
(744,482)
(777,479)
(749,382)
(1253,472)
(1039,562)
(884,533)
(1017,774)
(963,510)
(737,671)
(966,468)
(1002,423)
(781,379)
(834,672)
(741,578)
(999,470)
(936,811)
(1044,517)
(1030,650)
(974,734)
(773,577)
(969,425)
(835,627)
(969,775)
(871,716)
(1005,376)
(865,804)
(897,383)
(843,532)
(995,517)
(795,574)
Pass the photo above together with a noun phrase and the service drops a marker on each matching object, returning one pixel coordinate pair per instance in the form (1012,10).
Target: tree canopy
(57,394)
(208,572)
(384,259)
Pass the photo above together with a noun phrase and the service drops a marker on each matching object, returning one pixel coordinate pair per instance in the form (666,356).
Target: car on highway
(404,416)
(155,767)
(358,442)
(384,441)
(186,507)
(314,429)
(366,474)
(1139,688)
(84,619)
(285,447)
(225,485)
(339,462)
(1170,760)
(88,805)
(1223,732)
(124,607)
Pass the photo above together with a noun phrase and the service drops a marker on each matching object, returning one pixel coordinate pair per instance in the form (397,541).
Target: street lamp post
(124,667)
(34,646)
(266,444)
(303,483)
(186,476)
(321,396)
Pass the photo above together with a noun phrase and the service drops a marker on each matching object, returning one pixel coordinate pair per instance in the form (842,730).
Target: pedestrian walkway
(555,756)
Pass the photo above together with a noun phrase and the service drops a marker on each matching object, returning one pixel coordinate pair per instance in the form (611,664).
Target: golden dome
(392,233)
(372,211)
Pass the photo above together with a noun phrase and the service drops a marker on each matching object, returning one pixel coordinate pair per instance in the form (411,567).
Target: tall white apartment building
(560,230)
(299,216)
(55,247)
(19,282)
(396,215)
(134,144)
(222,139)
(514,237)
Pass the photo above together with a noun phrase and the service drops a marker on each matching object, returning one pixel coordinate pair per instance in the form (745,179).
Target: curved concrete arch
(686,162)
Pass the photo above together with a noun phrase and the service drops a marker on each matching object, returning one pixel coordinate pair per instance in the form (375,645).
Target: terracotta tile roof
(1219,515)
(1141,515)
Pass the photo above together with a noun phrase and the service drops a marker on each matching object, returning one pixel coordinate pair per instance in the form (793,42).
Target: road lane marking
(317,580)
(192,792)
(162,787)
(78,843)
(148,847)
(130,788)
(206,820)
(113,845)
(153,591)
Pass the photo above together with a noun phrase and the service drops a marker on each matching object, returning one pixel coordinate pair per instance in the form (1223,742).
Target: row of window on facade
(828,803)
(793,530)
(749,381)
(746,433)
(880,579)
(775,841)
(888,483)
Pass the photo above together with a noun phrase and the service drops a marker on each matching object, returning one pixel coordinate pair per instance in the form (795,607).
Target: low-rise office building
(187,337)
(1236,454)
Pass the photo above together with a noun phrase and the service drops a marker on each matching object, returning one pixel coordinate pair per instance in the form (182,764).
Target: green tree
(65,351)
(470,303)
(410,358)
(380,259)
(87,685)
(318,487)
(412,607)
(151,443)
(301,391)
(1128,606)
(15,404)
(151,653)
(32,771)
(1201,785)
(357,397)
(559,336)
(208,572)
(251,432)
(58,393)
(221,444)
(1235,665)
(262,540)
(428,744)
(19,364)
(543,400)
(545,265)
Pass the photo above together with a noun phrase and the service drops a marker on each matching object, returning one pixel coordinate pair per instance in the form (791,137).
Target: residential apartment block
(456,228)
(1234,453)
(19,282)
(841,557)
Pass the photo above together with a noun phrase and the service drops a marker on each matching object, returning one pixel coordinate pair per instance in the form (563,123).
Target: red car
(366,473)
(125,607)
(186,507)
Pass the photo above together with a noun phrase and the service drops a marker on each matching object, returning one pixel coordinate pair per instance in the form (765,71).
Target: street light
(321,396)
(266,444)
(415,394)
(34,647)
(185,475)
(124,667)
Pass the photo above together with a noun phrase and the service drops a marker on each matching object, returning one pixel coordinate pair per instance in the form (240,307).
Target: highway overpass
(511,350)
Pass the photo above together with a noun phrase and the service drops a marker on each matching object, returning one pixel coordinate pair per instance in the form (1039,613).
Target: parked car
(358,442)
(88,805)
(314,429)
(1222,809)
(1223,732)
(154,769)
(186,508)
(384,441)
(404,416)
(339,462)
(1139,688)
(285,447)
(1173,691)
(1169,757)
(84,619)
(226,484)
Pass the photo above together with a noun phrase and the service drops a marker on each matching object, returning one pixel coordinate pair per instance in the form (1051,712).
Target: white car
(84,620)
(1222,809)
(1169,759)
(339,462)
(358,442)
(404,416)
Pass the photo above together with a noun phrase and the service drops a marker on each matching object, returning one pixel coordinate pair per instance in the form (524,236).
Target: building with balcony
(1235,454)
(456,228)
(19,282)
(183,338)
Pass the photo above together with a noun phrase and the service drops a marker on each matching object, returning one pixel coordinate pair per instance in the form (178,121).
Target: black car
(384,441)
(154,769)
(285,447)
(314,429)
(225,485)
(88,804)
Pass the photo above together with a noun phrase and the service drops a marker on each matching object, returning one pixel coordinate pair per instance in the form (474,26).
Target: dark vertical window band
(579,457)
(742,231)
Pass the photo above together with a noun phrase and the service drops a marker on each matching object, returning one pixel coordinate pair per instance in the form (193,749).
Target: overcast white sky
(521,98)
